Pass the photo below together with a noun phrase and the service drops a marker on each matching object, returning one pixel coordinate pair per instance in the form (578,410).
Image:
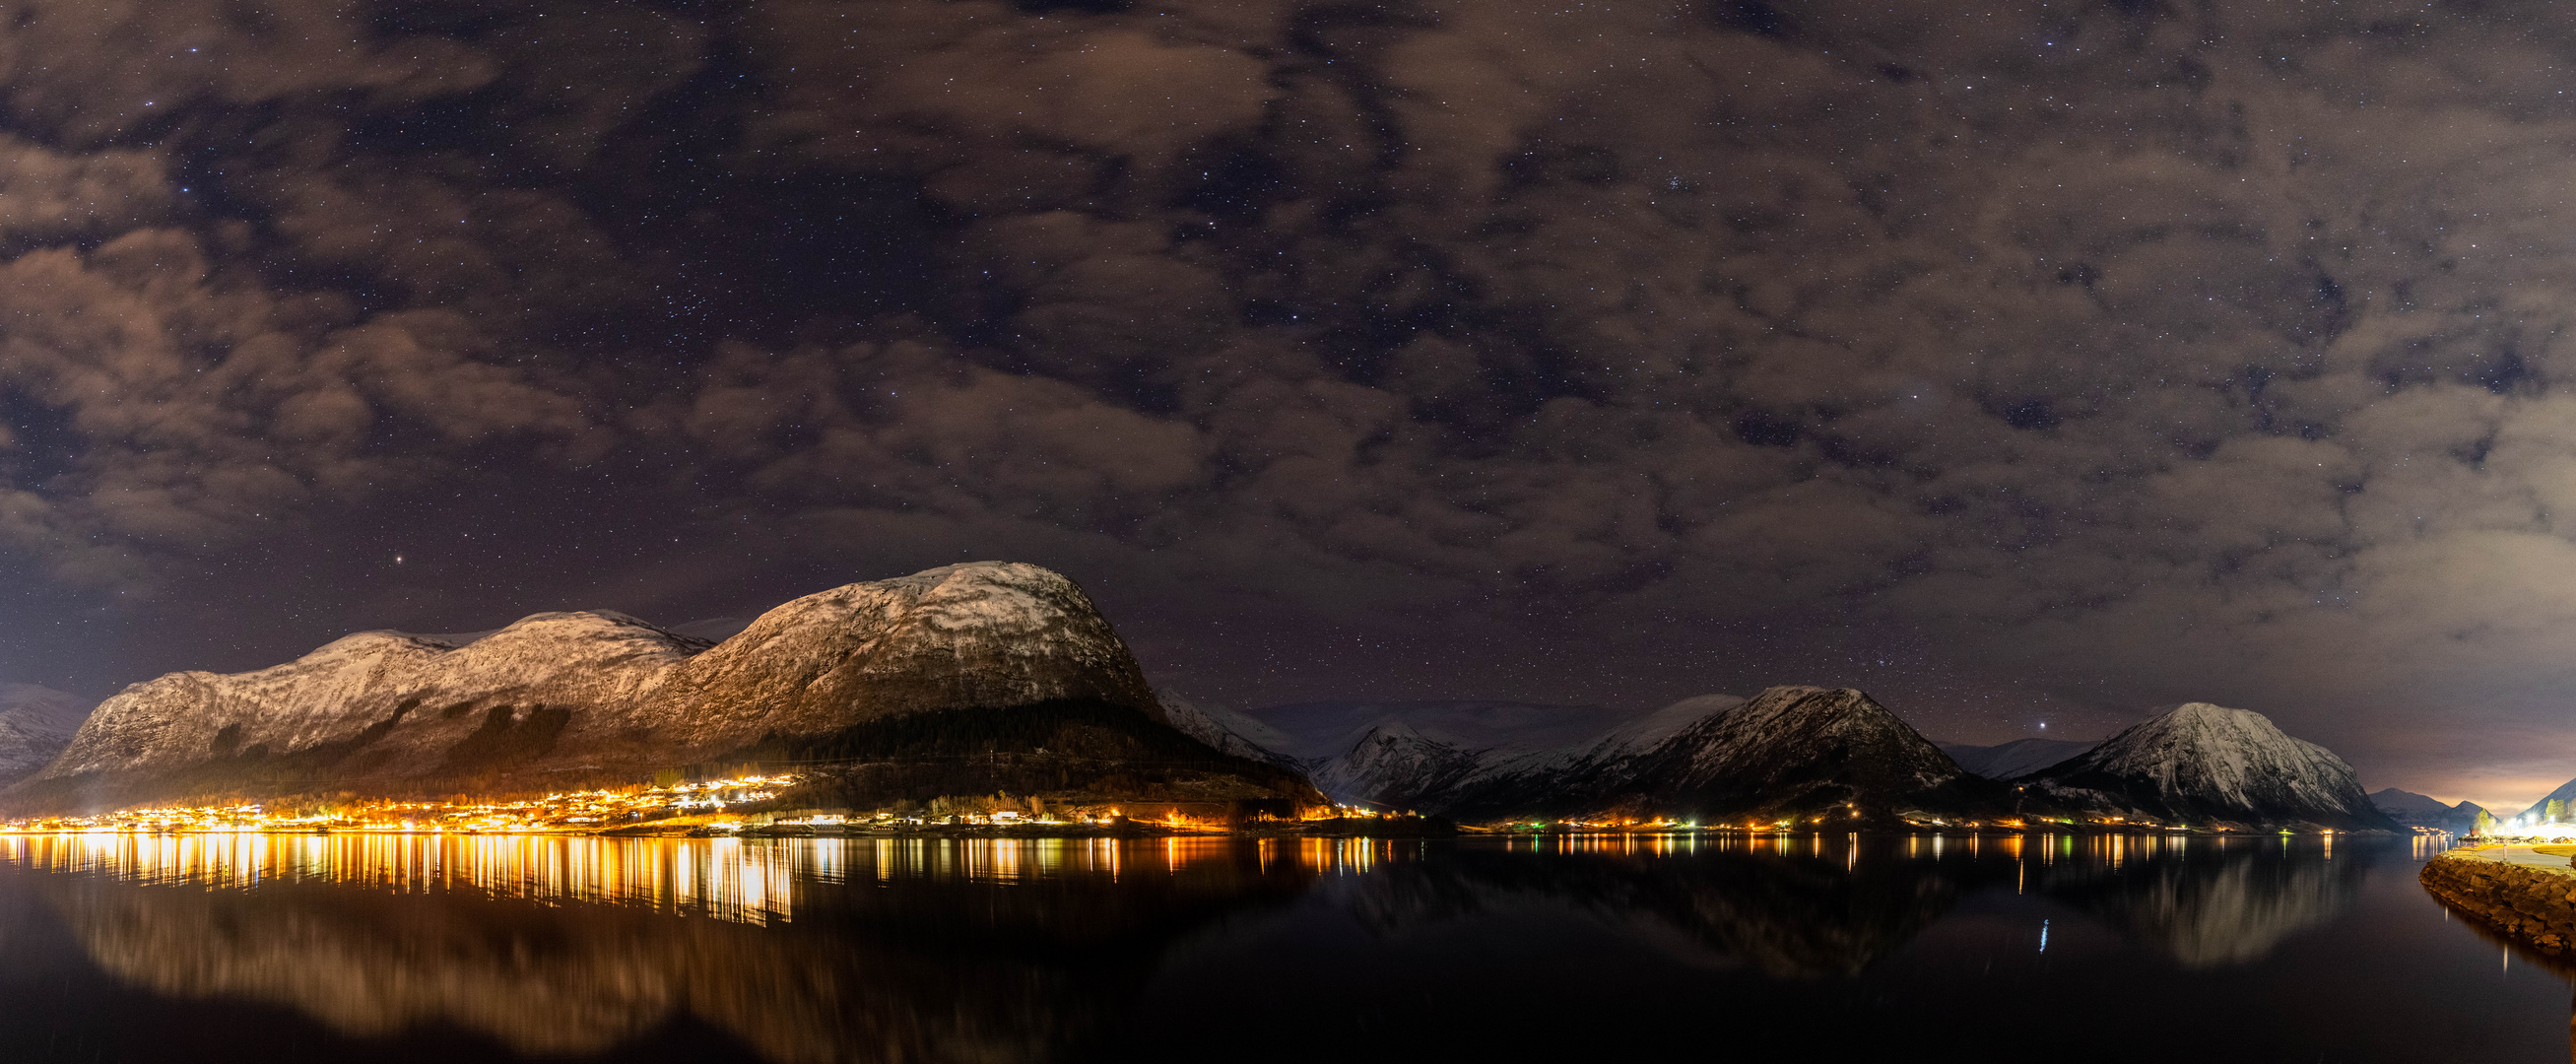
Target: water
(438,948)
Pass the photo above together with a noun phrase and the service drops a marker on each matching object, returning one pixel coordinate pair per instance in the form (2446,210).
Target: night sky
(2042,363)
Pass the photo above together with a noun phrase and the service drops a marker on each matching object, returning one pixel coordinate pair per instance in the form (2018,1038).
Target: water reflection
(2212,902)
(991,950)
(1788,906)
(1004,950)
(1834,904)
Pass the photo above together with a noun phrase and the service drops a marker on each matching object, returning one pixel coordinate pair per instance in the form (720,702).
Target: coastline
(1381,828)
(2526,893)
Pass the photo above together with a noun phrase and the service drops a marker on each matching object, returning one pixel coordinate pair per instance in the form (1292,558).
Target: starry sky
(2016,363)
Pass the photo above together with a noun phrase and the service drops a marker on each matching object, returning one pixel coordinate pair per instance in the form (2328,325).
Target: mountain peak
(2204,761)
(2213,712)
(1797,749)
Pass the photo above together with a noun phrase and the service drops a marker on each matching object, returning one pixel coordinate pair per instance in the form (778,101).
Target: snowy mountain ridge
(36,723)
(1809,748)
(1794,749)
(1320,731)
(1408,759)
(1229,731)
(557,691)
(2204,761)
(2020,757)
(2424,811)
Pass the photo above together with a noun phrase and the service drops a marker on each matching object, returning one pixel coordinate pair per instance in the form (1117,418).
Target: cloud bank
(2049,359)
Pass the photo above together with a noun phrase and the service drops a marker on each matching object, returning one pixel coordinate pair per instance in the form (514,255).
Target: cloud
(2124,352)
(92,72)
(186,412)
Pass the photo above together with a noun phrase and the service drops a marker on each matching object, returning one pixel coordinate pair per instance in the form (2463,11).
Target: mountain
(1319,731)
(1394,765)
(1412,755)
(1006,655)
(2017,758)
(1787,752)
(2200,763)
(1228,731)
(36,723)
(1584,776)
(2422,811)
(1801,752)
(2539,810)
(1402,755)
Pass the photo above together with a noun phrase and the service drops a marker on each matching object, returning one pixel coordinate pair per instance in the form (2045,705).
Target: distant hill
(1801,752)
(2202,763)
(2017,758)
(2566,792)
(1229,731)
(1319,731)
(2423,811)
(36,723)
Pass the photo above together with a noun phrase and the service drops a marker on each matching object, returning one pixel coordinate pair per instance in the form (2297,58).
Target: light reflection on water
(1030,949)
(753,881)
(745,881)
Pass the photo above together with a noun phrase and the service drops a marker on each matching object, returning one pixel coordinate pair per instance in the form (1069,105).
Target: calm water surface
(294,948)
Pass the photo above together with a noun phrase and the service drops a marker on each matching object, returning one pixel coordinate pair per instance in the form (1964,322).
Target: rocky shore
(2528,893)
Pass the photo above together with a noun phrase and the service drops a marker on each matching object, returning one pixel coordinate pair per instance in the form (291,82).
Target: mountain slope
(2200,762)
(2424,811)
(989,634)
(36,723)
(1228,731)
(1436,755)
(1803,751)
(380,700)
(559,695)
(1320,731)
(2017,758)
(1395,766)
(2539,810)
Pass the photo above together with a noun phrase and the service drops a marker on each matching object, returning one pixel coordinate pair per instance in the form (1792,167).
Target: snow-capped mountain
(1787,751)
(1800,751)
(2200,762)
(2424,811)
(2017,758)
(404,698)
(983,634)
(1319,731)
(1423,755)
(36,723)
(1587,775)
(1229,731)
(588,690)
(1393,765)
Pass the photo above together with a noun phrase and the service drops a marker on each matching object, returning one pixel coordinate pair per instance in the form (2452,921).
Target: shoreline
(2525,893)
(1150,830)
